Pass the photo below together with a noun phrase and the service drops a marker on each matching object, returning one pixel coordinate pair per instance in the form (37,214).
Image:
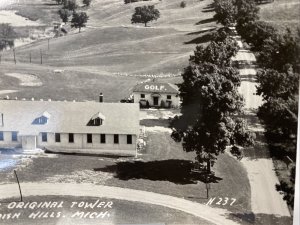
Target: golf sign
(154,87)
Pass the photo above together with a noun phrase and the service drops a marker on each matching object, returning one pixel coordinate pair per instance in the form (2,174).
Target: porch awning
(155,95)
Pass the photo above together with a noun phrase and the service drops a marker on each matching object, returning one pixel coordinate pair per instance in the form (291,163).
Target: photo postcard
(149,112)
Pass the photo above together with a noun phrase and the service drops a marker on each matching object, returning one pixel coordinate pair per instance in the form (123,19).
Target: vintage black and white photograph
(149,112)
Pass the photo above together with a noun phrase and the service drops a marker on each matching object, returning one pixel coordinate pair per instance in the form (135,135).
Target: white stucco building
(164,95)
(72,127)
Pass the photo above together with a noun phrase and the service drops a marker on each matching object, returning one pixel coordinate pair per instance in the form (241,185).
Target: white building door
(155,101)
(29,142)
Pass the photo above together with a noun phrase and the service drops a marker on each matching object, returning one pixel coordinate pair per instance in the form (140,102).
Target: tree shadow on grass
(209,6)
(200,40)
(209,20)
(201,31)
(175,171)
(208,10)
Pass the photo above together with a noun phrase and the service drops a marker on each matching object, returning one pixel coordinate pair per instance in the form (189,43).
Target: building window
(89,138)
(102,138)
(169,97)
(1,136)
(71,138)
(96,120)
(129,139)
(14,136)
(57,137)
(44,137)
(142,95)
(116,139)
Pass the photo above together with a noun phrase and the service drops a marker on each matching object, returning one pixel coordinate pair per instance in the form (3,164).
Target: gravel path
(264,197)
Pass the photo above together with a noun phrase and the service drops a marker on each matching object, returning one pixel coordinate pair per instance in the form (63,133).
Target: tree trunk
(208,166)
(79,29)
(145,24)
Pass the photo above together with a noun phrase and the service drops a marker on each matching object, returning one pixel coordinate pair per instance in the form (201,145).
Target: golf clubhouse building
(70,127)
(155,94)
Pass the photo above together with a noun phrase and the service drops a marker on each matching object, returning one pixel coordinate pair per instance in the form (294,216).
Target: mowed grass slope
(111,44)
(115,12)
(113,49)
(68,85)
(282,14)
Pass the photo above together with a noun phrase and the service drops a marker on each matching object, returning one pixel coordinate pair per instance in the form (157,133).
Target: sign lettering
(154,87)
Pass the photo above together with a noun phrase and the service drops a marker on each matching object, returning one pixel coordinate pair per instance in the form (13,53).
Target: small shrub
(183,4)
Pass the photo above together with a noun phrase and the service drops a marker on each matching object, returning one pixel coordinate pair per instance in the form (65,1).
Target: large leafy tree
(279,116)
(241,12)
(226,12)
(64,14)
(70,5)
(247,12)
(257,32)
(7,36)
(280,109)
(145,14)
(79,20)
(279,50)
(210,105)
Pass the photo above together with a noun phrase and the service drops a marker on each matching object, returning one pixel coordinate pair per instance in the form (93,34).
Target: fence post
(15,55)
(41,56)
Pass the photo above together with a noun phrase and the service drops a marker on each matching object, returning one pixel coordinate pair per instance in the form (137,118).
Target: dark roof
(69,117)
(156,87)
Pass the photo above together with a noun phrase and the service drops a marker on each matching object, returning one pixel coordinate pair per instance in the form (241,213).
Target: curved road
(214,215)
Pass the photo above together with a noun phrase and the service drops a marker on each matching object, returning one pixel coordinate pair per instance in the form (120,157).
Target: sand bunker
(28,80)
(9,16)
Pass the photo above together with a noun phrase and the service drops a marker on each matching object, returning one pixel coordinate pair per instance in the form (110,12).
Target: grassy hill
(67,85)
(282,14)
(111,44)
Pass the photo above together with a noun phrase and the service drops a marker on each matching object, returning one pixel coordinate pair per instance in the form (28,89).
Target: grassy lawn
(282,14)
(122,212)
(68,85)
(164,168)
(132,50)
(111,44)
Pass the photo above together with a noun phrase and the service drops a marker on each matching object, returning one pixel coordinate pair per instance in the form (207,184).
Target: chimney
(100,97)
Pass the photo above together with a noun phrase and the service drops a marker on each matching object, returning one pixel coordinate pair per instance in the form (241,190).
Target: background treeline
(278,78)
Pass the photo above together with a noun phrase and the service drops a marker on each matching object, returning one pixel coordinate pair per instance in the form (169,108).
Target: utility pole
(19,186)
(41,56)
(14,55)
(207,185)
